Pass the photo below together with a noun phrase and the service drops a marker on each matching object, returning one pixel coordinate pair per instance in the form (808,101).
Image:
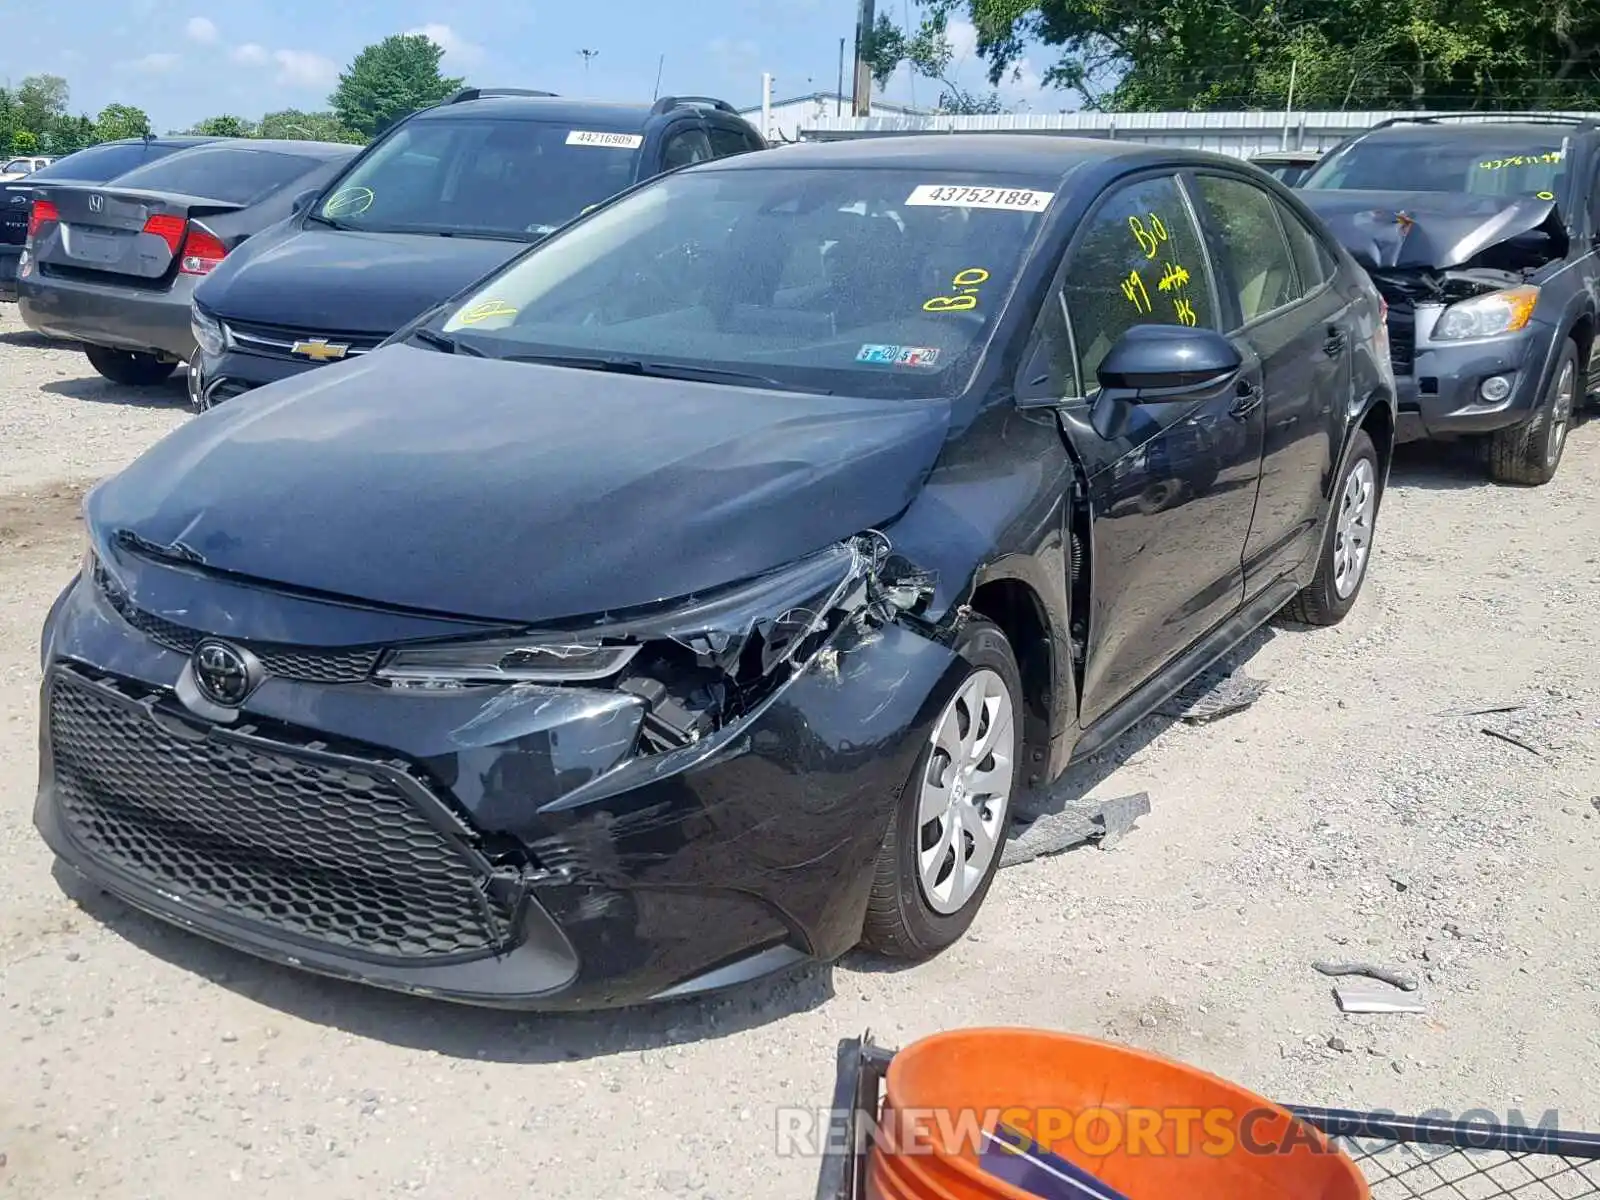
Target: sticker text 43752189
(938,195)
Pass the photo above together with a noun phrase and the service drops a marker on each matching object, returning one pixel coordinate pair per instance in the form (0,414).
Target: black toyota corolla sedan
(696,595)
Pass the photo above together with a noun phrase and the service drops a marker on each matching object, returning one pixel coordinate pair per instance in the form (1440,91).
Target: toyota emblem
(223,674)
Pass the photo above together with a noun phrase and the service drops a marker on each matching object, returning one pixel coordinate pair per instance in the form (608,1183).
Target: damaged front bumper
(531,845)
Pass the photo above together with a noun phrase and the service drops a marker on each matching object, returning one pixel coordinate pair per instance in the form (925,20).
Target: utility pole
(660,66)
(766,105)
(587,55)
(838,96)
(861,104)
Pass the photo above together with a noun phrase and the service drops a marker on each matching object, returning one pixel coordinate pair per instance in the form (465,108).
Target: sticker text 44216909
(938,195)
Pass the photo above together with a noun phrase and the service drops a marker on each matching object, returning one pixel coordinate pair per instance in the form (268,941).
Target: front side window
(1259,264)
(685,149)
(880,282)
(493,178)
(1138,262)
(1485,163)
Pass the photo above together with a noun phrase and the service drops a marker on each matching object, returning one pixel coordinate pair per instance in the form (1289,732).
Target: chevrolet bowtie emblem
(319,349)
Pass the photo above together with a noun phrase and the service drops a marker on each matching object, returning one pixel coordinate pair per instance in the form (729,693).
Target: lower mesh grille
(323,848)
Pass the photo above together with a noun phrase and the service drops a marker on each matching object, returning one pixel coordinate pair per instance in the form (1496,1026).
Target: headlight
(209,334)
(1488,315)
(505,660)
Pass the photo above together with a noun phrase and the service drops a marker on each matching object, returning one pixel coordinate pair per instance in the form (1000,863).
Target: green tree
(23,142)
(293,124)
(42,100)
(9,114)
(389,79)
(121,121)
(1213,54)
(69,134)
(928,52)
(224,126)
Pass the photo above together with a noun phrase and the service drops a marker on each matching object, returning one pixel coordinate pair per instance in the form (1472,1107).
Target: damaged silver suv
(1481,235)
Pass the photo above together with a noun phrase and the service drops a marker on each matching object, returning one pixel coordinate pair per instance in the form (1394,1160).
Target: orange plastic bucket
(1145,1126)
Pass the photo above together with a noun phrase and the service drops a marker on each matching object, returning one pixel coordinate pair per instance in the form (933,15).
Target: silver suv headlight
(1489,315)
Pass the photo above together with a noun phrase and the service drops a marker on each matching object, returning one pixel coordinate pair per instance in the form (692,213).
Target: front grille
(277,341)
(300,663)
(1402,336)
(322,848)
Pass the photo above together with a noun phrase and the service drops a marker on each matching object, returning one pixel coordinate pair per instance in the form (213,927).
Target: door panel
(1301,332)
(1172,497)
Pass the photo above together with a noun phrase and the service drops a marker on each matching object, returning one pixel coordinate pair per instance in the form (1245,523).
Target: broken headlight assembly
(1489,315)
(700,664)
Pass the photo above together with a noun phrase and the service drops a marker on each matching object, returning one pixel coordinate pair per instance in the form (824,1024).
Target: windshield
(17,164)
(877,282)
(220,173)
(503,178)
(1506,165)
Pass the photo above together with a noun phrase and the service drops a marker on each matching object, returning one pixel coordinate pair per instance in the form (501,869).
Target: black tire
(1530,454)
(900,922)
(128,367)
(1321,602)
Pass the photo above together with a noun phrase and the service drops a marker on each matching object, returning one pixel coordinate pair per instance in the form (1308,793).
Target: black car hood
(1438,230)
(346,282)
(507,491)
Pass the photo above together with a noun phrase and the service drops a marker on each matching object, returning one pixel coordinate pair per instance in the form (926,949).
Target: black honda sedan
(697,596)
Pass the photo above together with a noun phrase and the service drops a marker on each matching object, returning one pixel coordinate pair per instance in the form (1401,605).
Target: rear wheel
(1530,454)
(1346,542)
(944,841)
(129,367)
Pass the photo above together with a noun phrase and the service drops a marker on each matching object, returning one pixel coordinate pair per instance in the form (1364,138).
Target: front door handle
(1335,344)
(1247,398)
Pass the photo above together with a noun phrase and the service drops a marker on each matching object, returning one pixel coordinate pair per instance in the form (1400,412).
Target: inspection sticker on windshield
(619,141)
(934,195)
(898,356)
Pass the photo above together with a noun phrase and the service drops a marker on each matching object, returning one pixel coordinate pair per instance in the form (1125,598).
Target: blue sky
(181,61)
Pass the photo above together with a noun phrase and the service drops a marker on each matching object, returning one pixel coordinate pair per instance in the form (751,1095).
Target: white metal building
(1238,133)
(790,116)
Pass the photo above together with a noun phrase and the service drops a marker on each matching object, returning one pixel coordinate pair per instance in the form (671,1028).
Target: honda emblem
(97,204)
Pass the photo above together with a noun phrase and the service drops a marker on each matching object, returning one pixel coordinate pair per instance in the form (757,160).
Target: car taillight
(44,211)
(169,229)
(202,250)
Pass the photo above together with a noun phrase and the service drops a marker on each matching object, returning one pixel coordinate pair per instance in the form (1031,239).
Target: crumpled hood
(1437,230)
(510,491)
(345,282)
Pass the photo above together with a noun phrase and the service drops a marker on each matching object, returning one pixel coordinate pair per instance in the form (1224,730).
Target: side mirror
(1154,364)
(303,201)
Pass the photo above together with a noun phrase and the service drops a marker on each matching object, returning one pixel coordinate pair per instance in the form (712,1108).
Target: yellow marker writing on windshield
(487,310)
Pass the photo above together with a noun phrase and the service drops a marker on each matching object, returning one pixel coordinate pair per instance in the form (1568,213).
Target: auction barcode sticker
(946,196)
(622,141)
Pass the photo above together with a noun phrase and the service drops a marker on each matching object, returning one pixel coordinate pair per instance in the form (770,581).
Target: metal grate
(325,848)
(277,341)
(300,663)
(1402,336)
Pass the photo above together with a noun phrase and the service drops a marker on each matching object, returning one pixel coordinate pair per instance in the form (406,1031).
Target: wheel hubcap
(197,396)
(1560,416)
(966,793)
(1353,530)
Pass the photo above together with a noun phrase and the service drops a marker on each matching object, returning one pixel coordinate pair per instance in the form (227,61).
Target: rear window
(100,163)
(237,176)
(494,177)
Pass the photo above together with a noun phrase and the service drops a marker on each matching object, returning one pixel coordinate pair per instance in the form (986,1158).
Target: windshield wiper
(634,366)
(450,345)
(330,222)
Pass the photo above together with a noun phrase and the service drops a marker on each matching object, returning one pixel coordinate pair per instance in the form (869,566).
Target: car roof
(607,116)
(292,146)
(1286,156)
(1021,153)
(1476,131)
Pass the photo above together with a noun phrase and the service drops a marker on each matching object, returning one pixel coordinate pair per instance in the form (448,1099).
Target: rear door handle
(1247,399)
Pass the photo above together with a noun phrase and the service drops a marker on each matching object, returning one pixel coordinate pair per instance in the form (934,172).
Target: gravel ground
(1356,811)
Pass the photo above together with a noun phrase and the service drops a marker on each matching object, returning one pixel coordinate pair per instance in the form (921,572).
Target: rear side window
(727,142)
(1311,258)
(1253,246)
(225,173)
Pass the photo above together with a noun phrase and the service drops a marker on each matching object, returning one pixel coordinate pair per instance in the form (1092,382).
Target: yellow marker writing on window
(1185,311)
(487,310)
(1174,278)
(1149,236)
(1133,288)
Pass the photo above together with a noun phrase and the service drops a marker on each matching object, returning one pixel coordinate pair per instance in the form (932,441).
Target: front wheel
(943,844)
(1529,454)
(1346,542)
(128,367)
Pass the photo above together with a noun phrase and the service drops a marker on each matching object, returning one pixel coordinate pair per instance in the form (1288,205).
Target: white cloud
(155,64)
(301,68)
(202,30)
(252,54)
(458,49)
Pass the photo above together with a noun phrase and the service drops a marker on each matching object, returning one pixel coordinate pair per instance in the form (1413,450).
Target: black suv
(441,199)
(1481,234)
(97,164)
